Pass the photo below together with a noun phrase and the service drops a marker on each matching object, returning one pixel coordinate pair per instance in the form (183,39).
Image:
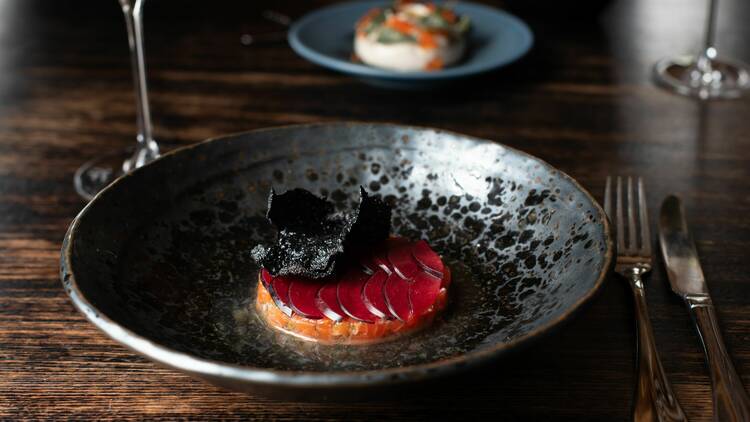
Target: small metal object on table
(731,402)
(654,399)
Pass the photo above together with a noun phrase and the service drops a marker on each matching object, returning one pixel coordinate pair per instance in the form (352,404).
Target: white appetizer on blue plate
(410,45)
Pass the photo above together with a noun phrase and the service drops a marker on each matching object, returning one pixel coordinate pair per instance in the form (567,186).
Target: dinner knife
(731,401)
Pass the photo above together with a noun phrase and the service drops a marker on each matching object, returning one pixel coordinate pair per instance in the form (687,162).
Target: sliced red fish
(379,258)
(279,289)
(396,292)
(373,296)
(327,302)
(423,292)
(402,261)
(368,266)
(302,294)
(428,259)
(265,277)
(391,290)
(349,293)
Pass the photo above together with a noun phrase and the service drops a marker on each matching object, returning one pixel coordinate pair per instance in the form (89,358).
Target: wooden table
(582,100)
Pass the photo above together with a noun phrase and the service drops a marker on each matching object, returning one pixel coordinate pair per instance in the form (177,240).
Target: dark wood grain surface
(582,100)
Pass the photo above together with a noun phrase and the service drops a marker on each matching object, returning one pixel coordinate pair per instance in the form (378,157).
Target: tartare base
(347,331)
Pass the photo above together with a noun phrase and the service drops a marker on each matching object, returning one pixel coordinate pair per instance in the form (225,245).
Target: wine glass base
(727,79)
(96,174)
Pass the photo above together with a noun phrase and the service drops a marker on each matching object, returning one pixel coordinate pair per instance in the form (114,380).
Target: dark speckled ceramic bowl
(160,259)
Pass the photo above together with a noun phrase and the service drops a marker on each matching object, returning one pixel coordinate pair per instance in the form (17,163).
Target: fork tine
(608,197)
(620,221)
(632,241)
(645,231)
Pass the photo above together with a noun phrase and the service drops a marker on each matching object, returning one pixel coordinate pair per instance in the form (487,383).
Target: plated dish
(339,278)
(161,260)
(411,36)
(328,37)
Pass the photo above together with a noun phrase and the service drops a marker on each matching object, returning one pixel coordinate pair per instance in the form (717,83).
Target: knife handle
(731,402)
(654,399)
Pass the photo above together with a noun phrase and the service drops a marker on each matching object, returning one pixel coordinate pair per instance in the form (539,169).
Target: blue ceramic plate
(325,37)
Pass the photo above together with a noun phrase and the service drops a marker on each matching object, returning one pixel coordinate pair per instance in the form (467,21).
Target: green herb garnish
(434,21)
(391,36)
(375,22)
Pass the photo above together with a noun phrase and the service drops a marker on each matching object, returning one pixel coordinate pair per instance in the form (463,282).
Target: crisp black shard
(298,210)
(372,221)
(312,237)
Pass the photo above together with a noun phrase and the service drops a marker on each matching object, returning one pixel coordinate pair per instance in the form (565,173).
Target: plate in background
(326,37)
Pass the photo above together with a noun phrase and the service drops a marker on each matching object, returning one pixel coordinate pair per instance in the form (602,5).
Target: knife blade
(678,250)
(731,402)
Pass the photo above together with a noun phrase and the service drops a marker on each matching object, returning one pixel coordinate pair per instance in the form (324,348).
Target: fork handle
(654,399)
(731,402)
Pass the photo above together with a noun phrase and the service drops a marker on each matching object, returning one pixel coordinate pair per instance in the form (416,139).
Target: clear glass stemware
(99,172)
(705,75)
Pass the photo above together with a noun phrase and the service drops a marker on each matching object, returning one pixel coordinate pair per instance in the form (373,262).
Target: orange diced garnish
(401,3)
(400,25)
(448,15)
(435,64)
(427,40)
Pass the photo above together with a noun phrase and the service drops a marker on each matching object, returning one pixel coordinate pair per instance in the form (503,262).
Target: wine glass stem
(709,50)
(147,149)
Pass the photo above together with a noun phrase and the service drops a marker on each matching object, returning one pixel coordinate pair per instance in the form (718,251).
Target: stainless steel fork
(654,399)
